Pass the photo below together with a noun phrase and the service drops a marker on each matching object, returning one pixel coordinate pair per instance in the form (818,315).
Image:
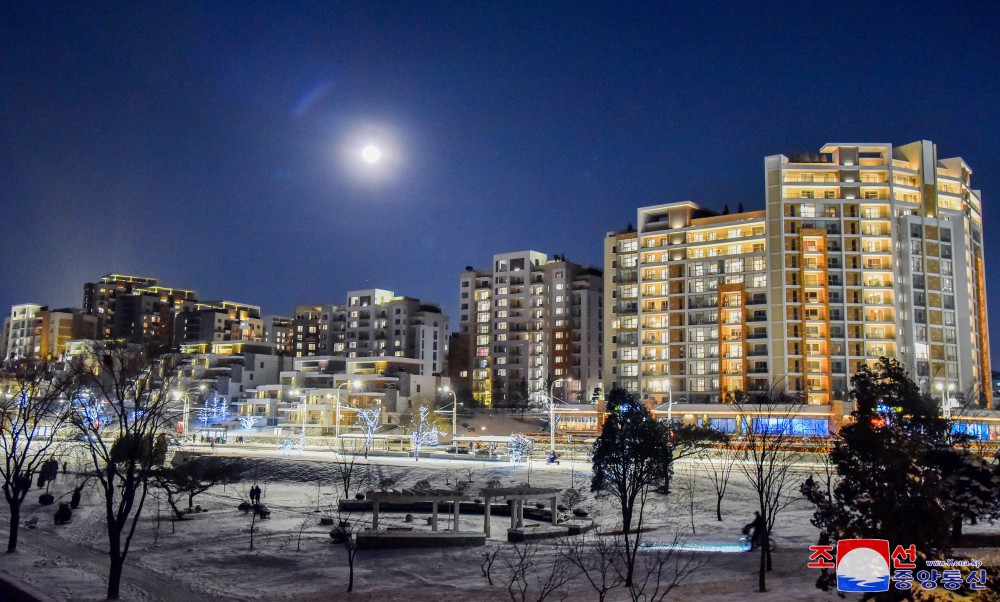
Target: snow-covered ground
(207,556)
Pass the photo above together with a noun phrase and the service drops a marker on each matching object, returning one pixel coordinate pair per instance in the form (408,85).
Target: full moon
(371,153)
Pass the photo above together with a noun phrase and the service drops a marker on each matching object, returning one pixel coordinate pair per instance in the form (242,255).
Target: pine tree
(629,457)
(891,485)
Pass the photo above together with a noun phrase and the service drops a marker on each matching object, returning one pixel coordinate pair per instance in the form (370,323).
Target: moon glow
(371,154)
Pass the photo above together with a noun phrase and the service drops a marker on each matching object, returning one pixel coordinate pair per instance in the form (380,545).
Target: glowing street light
(454,415)
(185,394)
(945,399)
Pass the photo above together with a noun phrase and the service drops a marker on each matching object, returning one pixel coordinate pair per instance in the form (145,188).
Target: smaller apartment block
(307,395)
(35,331)
(528,321)
(374,323)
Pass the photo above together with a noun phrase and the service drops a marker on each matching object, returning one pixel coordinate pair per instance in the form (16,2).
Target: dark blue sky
(205,145)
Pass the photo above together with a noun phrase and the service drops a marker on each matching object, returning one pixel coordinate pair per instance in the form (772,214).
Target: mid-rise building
(862,251)
(279,331)
(219,321)
(527,322)
(307,396)
(374,323)
(136,309)
(33,330)
(230,368)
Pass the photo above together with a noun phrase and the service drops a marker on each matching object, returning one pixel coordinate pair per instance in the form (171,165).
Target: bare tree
(32,411)
(302,527)
(349,524)
(424,430)
(601,562)
(526,572)
(370,421)
(489,556)
(346,469)
(663,570)
(720,468)
(194,477)
(122,419)
(767,446)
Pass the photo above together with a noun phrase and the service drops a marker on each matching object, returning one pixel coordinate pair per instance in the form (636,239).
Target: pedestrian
(64,468)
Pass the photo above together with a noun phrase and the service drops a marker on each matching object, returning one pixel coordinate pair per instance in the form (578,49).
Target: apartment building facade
(374,323)
(33,330)
(219,321)
(527,322)
(307,395)
(136,308)
(862,251)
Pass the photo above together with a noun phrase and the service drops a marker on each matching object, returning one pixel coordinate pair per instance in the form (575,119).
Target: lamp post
(302,437)
(354,384)
(454,416)
(670,405)
(945,399)
(552,412)
(186,413)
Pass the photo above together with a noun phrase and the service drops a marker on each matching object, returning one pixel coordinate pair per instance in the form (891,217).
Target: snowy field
(207,555)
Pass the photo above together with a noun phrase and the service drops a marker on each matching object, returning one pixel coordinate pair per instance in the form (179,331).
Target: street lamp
(670,404)
(552,412)
(186,414)
(945,399)
(454,416)
(303,411)
(355,384)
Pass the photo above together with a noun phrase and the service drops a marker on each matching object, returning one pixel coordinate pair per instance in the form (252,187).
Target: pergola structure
(517,496)
(434,496)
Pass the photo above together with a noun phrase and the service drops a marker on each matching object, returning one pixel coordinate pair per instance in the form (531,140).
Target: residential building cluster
(860,251)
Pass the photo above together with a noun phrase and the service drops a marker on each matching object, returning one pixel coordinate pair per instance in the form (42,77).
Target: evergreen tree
(629,456)
(890,486)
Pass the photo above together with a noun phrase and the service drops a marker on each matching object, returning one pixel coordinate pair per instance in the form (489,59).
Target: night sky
(217,147)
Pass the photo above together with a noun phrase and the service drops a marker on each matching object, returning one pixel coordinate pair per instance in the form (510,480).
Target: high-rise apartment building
(527,322)
(862,251)
(373,323)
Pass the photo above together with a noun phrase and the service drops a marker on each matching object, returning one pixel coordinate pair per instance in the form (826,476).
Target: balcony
(626,308)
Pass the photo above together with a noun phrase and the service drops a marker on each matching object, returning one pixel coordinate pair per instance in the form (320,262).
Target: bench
(399,528)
